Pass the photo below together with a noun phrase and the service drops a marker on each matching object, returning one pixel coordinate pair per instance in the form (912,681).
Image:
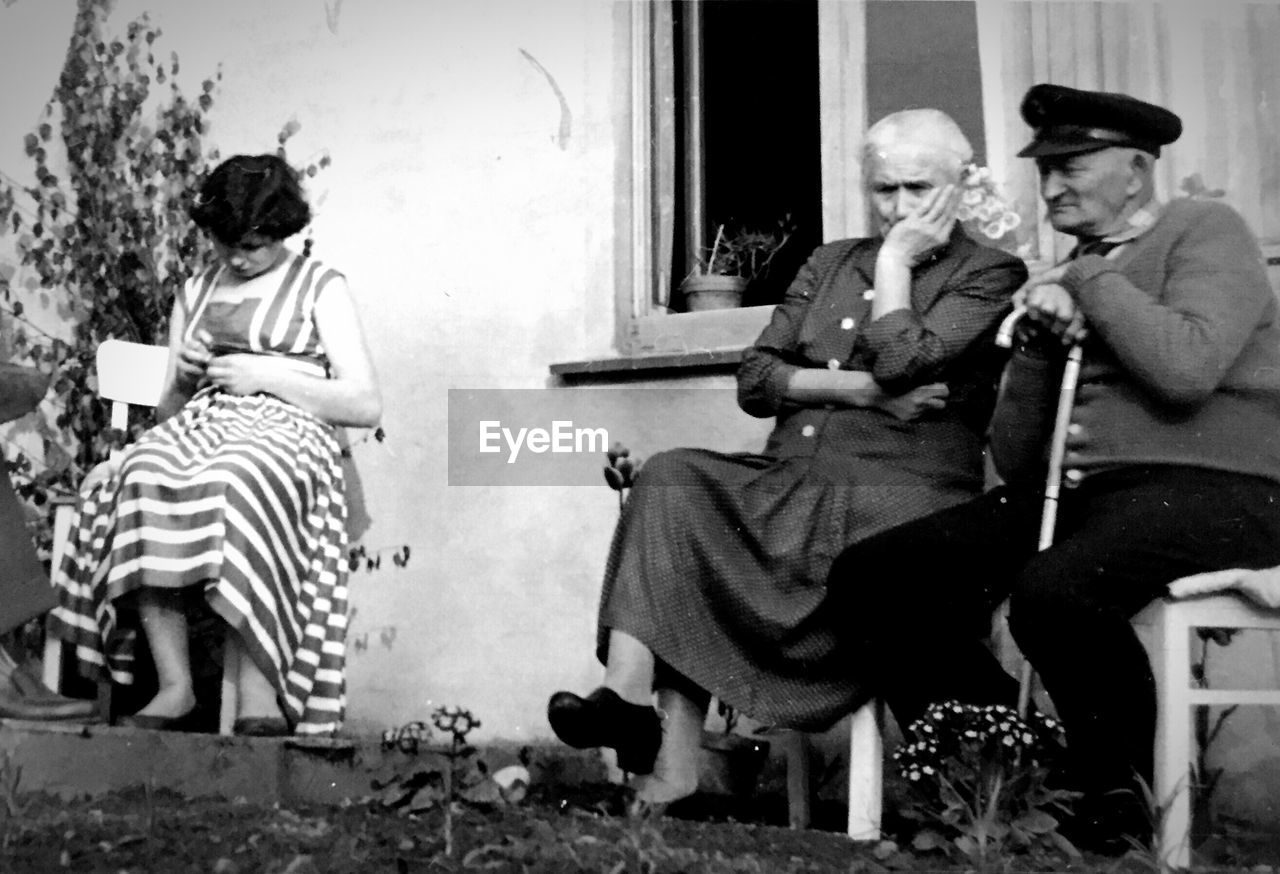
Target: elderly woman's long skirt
(719,564)
(241,498)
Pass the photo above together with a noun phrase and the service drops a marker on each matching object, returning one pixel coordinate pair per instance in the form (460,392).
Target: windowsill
(674,344)
(645,366)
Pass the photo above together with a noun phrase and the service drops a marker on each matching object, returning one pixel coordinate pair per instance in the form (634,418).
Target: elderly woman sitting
(880,369)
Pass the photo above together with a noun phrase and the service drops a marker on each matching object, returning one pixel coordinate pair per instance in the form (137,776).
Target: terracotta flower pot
(712,292)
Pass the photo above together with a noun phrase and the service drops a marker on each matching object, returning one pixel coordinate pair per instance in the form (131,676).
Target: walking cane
(1052,485)
(1057,449)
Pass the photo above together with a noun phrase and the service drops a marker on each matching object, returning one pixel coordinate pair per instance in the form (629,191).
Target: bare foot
(170,703)
(257,696)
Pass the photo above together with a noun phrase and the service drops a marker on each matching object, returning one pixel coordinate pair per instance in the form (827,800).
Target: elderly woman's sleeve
(767,367)
(907,349)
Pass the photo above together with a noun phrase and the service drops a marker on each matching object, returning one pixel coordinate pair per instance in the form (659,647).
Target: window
(751,112)
(745,89)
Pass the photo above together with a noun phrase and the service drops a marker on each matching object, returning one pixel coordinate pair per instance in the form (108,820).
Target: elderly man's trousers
(917,600)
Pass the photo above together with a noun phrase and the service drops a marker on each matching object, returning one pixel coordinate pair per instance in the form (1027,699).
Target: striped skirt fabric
(244,498)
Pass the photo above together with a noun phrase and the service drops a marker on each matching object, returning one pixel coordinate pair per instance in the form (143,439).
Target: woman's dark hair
(251,194)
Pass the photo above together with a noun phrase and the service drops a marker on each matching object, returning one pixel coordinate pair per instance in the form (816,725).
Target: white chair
(866,774)
(129,374)
(1170,623)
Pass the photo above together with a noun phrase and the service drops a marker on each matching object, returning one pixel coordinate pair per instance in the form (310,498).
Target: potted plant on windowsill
(732,261)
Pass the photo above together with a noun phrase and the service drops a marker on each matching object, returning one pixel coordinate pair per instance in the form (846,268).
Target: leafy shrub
(107,240)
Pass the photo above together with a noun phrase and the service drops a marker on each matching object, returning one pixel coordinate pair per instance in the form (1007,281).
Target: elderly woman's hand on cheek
(927,228)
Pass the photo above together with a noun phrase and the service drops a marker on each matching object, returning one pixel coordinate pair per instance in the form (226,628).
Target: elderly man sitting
(1172,462)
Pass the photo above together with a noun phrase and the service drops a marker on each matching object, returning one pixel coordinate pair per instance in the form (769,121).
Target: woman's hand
(917,402)
(926,229)
(193,358)
(240,373)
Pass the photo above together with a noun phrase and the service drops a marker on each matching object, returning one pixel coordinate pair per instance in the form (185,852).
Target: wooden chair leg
(62,517)
(104,702)
(866,772)
(1173,754)
(52,662)
(799,754)
(230,677)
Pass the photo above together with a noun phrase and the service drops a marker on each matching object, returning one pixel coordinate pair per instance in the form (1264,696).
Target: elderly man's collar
(1137,224)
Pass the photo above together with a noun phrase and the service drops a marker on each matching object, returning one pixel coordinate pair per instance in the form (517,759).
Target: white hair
(930,130)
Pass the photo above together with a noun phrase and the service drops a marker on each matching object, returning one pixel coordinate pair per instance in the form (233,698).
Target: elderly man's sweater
(1182,363)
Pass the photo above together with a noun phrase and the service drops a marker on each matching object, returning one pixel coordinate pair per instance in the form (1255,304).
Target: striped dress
(241,496)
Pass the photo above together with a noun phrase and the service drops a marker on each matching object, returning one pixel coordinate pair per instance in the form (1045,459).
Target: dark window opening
(761,157)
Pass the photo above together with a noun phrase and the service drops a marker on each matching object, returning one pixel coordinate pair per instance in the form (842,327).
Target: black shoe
(49,707)
(602,719)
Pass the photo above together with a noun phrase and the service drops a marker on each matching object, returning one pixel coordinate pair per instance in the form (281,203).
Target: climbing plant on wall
(103,236)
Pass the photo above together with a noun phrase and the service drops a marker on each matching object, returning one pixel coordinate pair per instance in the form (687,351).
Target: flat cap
(1068,121)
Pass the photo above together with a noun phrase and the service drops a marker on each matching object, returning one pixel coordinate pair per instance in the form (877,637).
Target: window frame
(642,328)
